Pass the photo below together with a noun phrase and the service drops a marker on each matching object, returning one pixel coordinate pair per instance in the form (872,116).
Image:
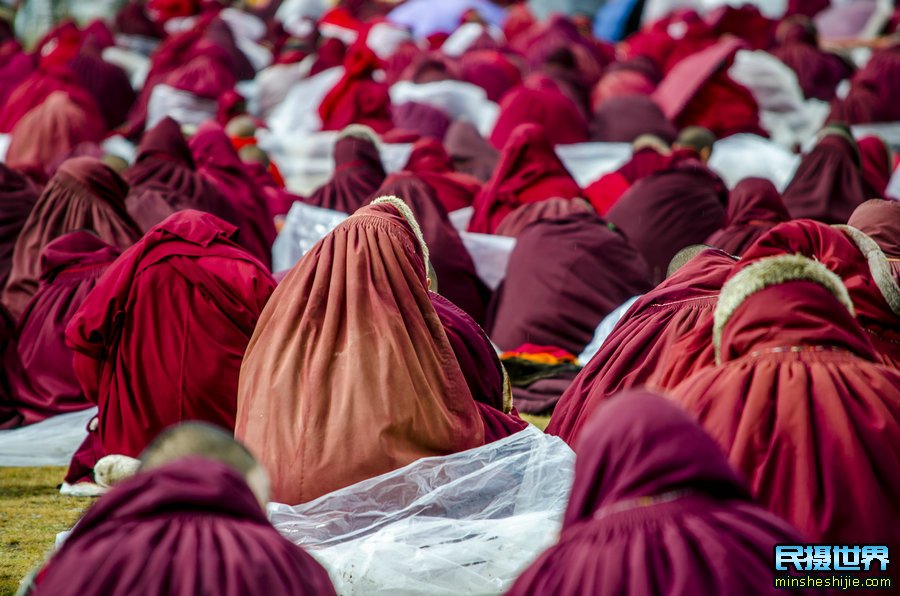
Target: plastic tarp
(587,162)
(460,101)
(182,106)
(50,442)
(604,329)
(299,112)
(303,227)
(490,254)
(461,218)
(742,156)
(467,523)
(785,114)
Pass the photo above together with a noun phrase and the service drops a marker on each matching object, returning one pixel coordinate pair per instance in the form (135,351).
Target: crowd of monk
(743,389)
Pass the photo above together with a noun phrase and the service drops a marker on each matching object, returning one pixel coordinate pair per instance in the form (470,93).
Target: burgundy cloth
(818,72)
(754,207)
(542,42)
(481,367)
(195,526)
(34,90)
(357,98)
(540,397)
(877,168)
(396,65)
(872,88)
(17,198)
(132,19)
(548,108)
(15,66)
(799,405)
(424,120)
(637,76)
(331,53)
(835,249)
(880,221)
(107,83)
(528,171)
(658,44)
(808,8)
(164,180)
(70,268)
(625,118)
(745,22)
(456,276)
(51,131)
(278,199)
(161,338)
(698,92)
(654,507)
(641,344)
(357,174)
(574,271)
(828,184)
(203,76)
(609,188)
(433,165)
(491,70)
(430,68)
(521,217)
(218,162)
(669,210)
(84,194)
(9,413)
(471,153)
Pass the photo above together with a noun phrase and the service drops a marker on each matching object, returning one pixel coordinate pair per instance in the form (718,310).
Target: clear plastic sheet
(182,106)
(490,254)
(303,227)
(467,523)
(461,101)
(48,443)
(604,329)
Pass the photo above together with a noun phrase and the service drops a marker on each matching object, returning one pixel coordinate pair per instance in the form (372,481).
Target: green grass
(31,513)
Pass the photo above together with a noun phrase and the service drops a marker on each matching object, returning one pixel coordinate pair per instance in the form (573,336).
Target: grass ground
(31,513)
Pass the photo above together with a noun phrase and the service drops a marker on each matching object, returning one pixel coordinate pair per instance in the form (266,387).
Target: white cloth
(303,227)
(460,100)
(587,162)
(50,442)
(742,156)
(490,254)
(182,106)
(467,523)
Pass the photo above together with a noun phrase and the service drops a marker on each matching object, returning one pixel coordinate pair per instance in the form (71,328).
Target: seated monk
(754,207)
(640,347)
(674,207)
(161,337)
(193,519)
(358,172)
(350,373)
(654,507)
(799,403)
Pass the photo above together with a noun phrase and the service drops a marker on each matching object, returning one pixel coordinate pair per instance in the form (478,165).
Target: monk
(161,338)
(641,346)
(350,348)
(655,506)
(649,154)
(358,171)
(84,193)
(880,221)
(799,404)
(193,519)
(754,207)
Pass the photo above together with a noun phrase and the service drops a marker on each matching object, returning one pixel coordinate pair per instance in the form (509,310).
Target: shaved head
(200,439)
(241,127)
(697,138)
(253,154)
(683,257)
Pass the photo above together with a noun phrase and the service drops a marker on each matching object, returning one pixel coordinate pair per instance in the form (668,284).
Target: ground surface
(31,513)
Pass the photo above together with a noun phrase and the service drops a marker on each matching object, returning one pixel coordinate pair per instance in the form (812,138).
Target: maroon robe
(564,276)
(877,166)
(818,72)
(161,338)
(640,346)
(219,163)
(433,165)
(84,193)
(482,369)
(357,174)
(548,108)
(622,119)
(529,171)
(520,218)
(670,210)
(803,411)
(471,153)
(655,506)
(164,180)
(457,279)
(754,207)
(71,265)
(828,185)
(17,197)
(190,526)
